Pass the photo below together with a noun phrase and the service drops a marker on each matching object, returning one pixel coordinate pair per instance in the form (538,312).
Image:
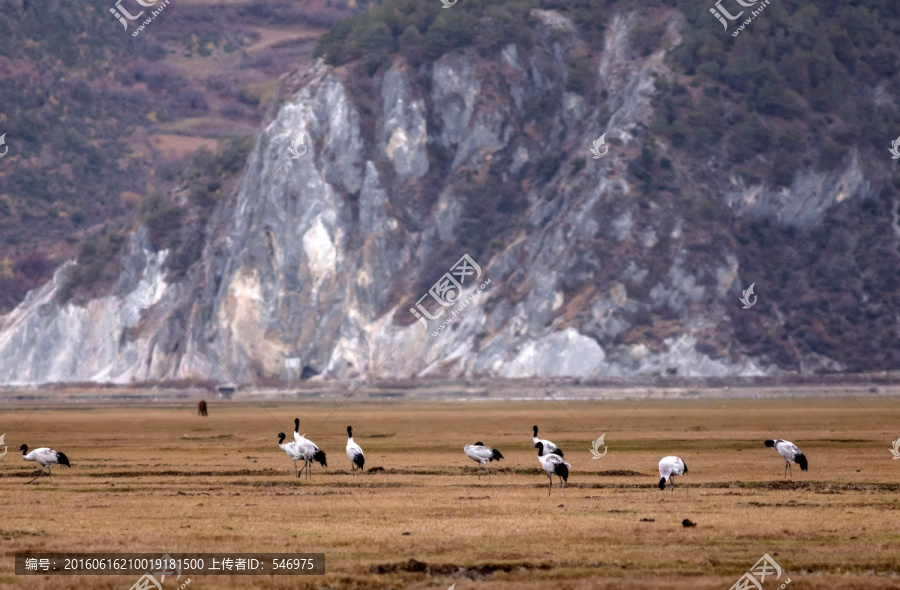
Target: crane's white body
(307,449)
(482,455)
(46,458)
(354,452)
(790,453)
(554,465)
(669,467)
(291,451)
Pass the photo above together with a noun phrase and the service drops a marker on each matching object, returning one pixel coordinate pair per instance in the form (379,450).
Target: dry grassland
(164,480)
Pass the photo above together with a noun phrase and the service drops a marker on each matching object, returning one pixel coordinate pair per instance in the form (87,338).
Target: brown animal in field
(201,408)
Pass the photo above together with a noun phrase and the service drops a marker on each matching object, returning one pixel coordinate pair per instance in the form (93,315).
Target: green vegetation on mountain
(812,81)
(94,119)
(182,228)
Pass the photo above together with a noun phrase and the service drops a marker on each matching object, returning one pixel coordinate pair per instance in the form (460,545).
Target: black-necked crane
(669,467)
(307,449)
(553,464)
(549,447)
(789,452)
(354,452)
(291,450)
(482,455)
(46,458)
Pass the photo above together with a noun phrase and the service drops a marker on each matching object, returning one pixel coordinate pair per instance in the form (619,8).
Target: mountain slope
(628,264)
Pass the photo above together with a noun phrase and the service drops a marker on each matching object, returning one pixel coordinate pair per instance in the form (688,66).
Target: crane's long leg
(50,471)
(38,475)
(786,468)
(551,484)
(488,470)
(672,480)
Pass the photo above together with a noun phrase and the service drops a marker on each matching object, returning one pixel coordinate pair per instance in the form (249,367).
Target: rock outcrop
(322,257)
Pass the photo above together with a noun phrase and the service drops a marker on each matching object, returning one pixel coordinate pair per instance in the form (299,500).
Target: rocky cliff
(463,190)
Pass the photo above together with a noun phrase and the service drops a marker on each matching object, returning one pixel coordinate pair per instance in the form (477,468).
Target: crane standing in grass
(669,467)
(482,455)
(354,452)
(307,449)
(789,452)
(45,457)
(553,464)
(291,450)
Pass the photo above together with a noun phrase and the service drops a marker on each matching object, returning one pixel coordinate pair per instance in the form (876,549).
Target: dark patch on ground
(473,572)
(172,473)
(790,504)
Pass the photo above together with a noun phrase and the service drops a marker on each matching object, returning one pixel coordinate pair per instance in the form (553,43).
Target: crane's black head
(540,447)
(534,428)
(662,483)
(479,444)
(280,437)
(296,424)
(801,461)
(350,431)
(770,443)
(24,449)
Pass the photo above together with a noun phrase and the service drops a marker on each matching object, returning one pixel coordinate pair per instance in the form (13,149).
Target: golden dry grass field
(162,479)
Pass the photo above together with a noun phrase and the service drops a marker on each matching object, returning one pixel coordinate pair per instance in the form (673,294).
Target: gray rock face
(43,341)
(322,257)
(810,196)
(404,132)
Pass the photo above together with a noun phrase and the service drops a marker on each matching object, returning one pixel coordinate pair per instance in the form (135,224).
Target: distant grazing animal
(482,455)
(549,447)
(291,450)
(201,408)
(45,457)
(669,467)
(553,464)
(308,449)
(354,452)
(789,452)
